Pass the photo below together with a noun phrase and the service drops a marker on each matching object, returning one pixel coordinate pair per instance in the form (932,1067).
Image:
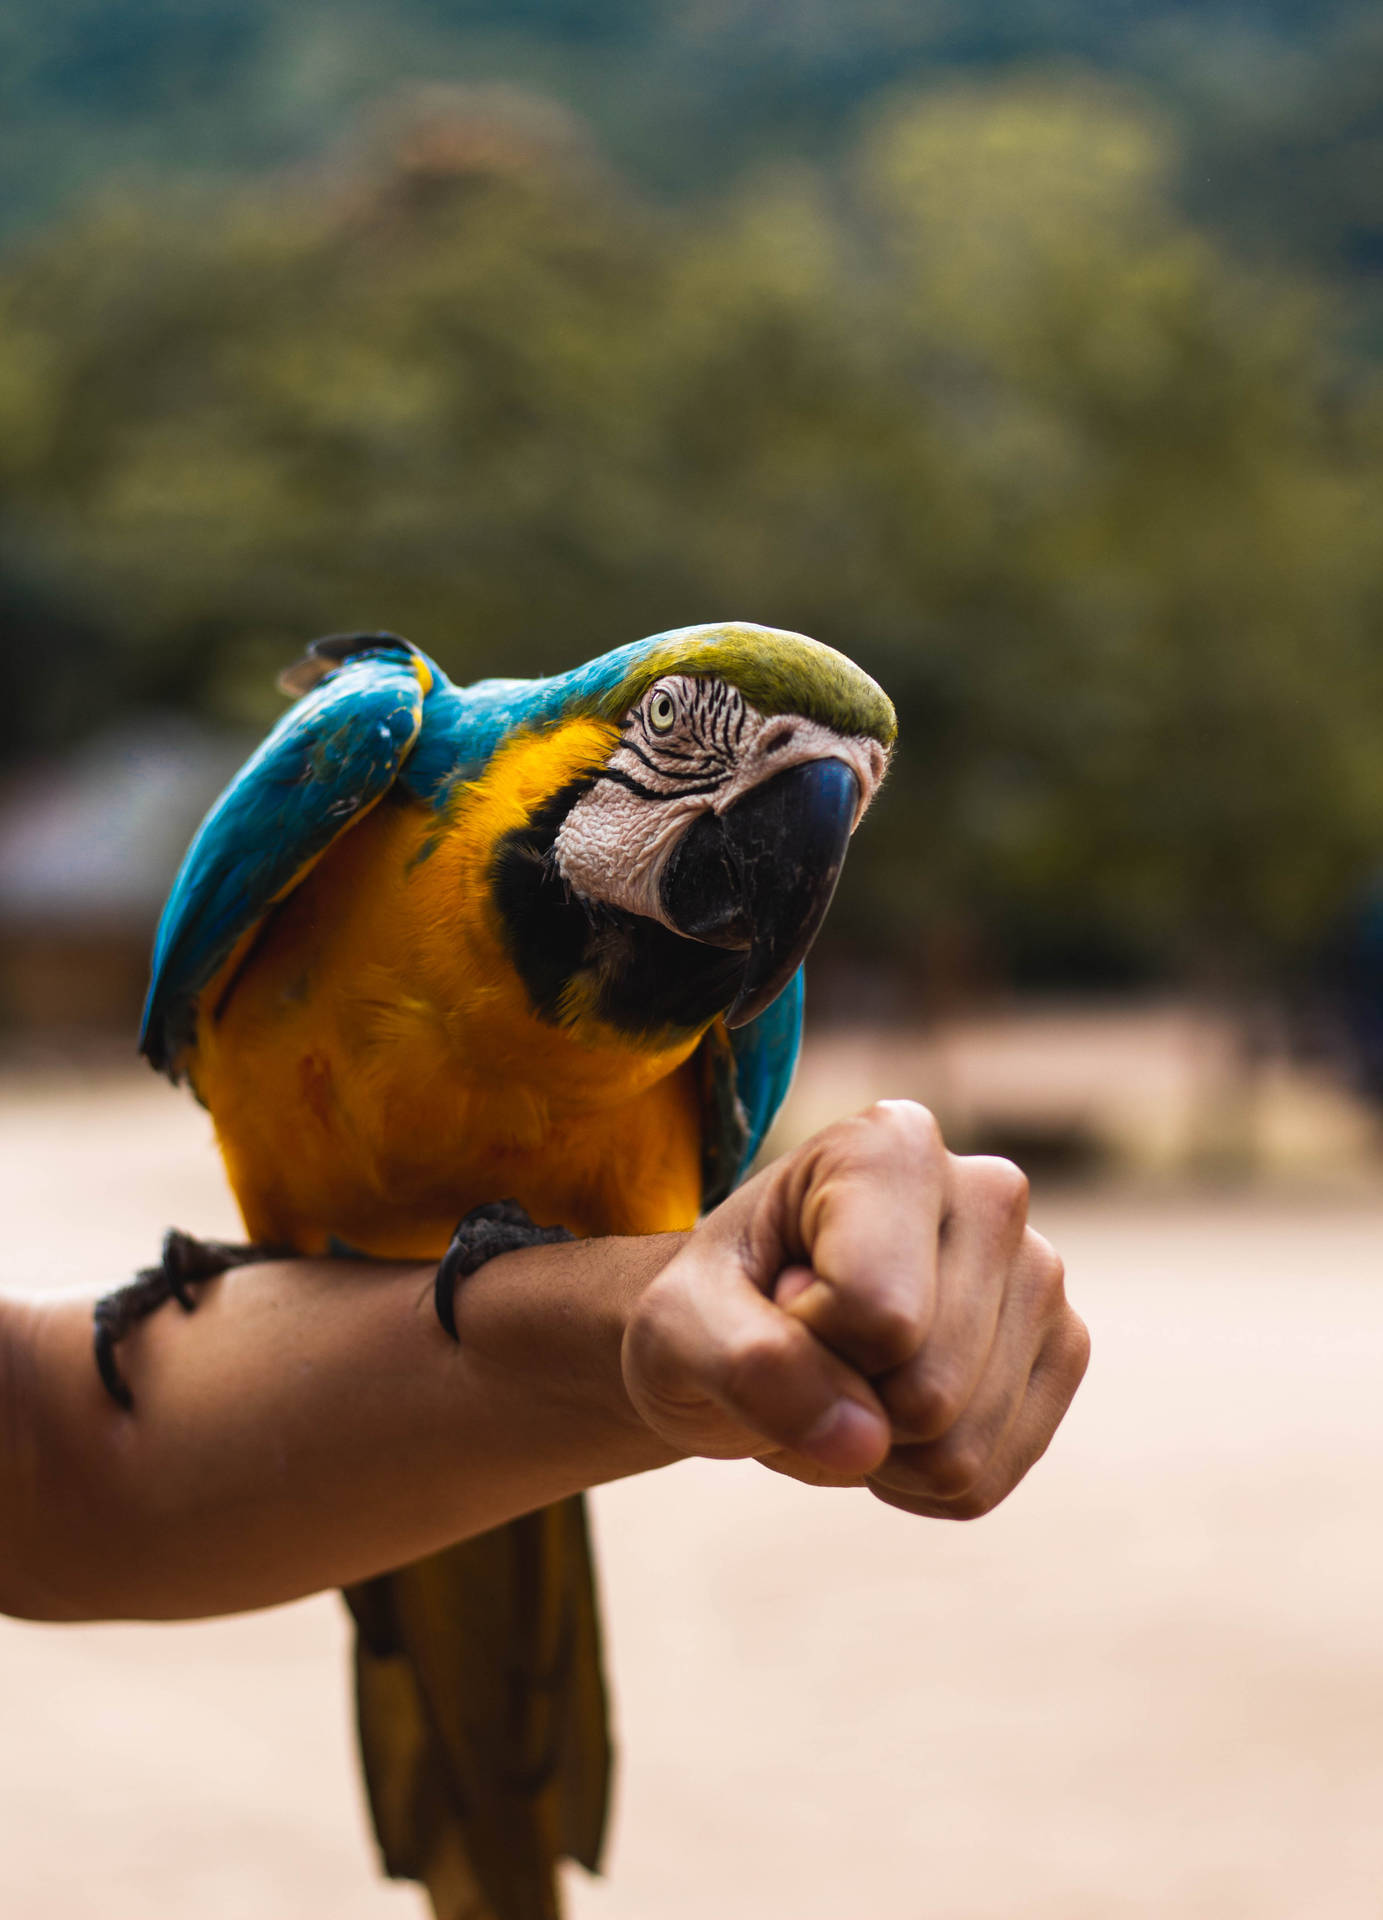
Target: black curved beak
(760,876)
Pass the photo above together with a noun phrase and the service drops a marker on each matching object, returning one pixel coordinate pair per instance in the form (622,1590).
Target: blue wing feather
(766,1052)
(328,760)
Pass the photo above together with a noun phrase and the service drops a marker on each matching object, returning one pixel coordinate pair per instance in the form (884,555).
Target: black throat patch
(641,977)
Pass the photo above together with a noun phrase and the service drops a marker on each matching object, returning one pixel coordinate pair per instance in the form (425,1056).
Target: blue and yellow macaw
(528,940)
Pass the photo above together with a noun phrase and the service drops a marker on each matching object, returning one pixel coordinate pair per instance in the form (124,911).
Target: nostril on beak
(774,739)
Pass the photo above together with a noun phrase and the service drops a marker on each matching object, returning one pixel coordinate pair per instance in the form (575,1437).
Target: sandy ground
(1151,1685)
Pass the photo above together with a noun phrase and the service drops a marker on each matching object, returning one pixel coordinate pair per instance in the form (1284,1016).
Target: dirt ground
(1151,1685)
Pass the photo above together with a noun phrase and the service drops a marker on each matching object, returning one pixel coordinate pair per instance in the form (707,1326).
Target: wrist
(559,1317)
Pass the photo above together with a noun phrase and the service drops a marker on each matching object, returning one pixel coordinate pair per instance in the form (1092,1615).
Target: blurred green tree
(983,408)
(1162,633)
(1277,102)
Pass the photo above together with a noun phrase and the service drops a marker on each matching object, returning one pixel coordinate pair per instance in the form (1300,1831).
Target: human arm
(310,1425)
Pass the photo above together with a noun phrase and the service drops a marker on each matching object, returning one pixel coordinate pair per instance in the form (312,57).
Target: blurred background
(1029,355)
(1032,354)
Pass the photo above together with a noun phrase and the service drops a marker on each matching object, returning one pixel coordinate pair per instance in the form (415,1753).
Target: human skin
(870,1310)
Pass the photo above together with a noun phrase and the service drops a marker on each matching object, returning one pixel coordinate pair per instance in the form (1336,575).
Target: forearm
(868,1310)
(310,1425)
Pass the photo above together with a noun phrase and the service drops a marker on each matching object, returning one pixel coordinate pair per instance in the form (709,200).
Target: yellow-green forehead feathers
(776,671)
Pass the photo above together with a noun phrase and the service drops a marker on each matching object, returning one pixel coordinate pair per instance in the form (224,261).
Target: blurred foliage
(981,405)
(1278,103)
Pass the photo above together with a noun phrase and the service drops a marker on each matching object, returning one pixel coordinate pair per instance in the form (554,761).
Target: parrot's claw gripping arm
(184,1262)
(502,1226)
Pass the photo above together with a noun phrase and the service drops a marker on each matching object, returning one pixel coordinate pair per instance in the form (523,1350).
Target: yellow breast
(374,1068)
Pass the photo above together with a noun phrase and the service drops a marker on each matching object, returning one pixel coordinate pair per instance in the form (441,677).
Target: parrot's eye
(662,712)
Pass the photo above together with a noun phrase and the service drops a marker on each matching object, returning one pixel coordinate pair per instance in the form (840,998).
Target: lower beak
(760,876)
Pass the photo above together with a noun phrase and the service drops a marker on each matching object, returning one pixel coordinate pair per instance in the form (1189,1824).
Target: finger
(980,1235)
(1052,1384)
(868,1204)
(796,1466)
(791,1284)
(716,1368)
(966,1454)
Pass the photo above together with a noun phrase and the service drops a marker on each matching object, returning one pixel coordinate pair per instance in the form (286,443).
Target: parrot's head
(683,871)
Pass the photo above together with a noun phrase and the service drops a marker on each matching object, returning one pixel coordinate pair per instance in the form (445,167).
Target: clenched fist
(869,1310)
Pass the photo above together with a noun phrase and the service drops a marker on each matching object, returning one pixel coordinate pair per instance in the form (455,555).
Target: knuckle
(759,1363)
(1077,1348)
(969,1506)
(1053,1281)
(906,1124)
(954,1471)
(893,1139)
(927,1401)
(894,1331)
(1048,1276)
(1008,1190)
(919,1126)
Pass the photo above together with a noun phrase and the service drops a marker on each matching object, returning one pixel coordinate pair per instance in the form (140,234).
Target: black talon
(184,1262)
(107,1327)
(501,1226)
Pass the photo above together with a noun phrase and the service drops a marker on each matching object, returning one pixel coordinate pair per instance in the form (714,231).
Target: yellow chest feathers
(374,1067)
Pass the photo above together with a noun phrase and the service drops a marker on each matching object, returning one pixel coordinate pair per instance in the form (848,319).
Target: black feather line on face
(646,793)
(656,746)
(645,978)
(699,770)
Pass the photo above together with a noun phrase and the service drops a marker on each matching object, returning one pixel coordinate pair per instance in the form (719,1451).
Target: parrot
(455,968)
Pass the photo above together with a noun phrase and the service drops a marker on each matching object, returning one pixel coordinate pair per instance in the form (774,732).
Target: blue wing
(766,1052)
(745,1076)
(329,759)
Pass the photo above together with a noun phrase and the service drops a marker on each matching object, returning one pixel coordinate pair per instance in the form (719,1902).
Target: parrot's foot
(185,1261)
(500,1227)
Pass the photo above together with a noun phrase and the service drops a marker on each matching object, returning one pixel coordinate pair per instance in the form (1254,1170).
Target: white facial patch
(690,746)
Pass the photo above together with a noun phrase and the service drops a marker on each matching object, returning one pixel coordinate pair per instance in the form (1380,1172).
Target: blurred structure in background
(87,844)
(1351,991)
(1030,361)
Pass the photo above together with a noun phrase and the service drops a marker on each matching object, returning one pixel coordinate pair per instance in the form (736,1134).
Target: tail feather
(482,1712)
